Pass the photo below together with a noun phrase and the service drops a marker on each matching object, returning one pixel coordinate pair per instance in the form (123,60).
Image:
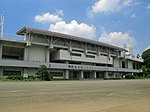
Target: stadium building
(65,56)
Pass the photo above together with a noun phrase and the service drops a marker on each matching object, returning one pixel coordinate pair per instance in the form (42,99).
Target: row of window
(134,65)
(57,74)
(79,55)
(7,73)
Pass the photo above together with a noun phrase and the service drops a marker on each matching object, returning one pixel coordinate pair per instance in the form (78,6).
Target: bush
(48,77)
(31,78)
(43,73)
(14,77)
(148,76)
(130,76)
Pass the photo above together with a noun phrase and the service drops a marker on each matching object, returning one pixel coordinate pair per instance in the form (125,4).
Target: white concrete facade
(65,56)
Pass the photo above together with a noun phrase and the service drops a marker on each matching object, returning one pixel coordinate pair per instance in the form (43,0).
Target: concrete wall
(31,71)
(65,55)
(130,64)
(116,62)
(37,53)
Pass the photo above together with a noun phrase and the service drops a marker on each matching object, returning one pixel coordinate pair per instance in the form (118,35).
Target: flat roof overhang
(25,30)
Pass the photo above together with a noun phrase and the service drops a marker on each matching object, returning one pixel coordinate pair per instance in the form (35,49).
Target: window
(90,56)
(137,66)
(92,53)
(13,53)
(77,50)
(57,74)
(75,54)
(7,72)
(86,74)
(123,64)
(104,54)
(134,66)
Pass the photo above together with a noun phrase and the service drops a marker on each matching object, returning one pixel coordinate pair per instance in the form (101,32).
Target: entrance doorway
(73,75)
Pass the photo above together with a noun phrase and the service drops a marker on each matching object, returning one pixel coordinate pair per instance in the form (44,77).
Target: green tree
(146,57)
(146,67)
(145,70)
(43,73)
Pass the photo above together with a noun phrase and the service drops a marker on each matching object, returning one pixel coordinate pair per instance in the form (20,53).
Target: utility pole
(2,26)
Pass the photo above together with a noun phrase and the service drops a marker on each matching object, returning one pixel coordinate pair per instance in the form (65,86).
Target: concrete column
(81,75)
(25,72)
(67,62)
(26,54)
(94,74)
(114,75)
(66,74)
(47,55)
(1,49)
(106,75)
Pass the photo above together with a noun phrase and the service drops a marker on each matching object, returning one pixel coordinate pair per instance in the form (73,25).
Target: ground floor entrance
(74,75)
(61,73)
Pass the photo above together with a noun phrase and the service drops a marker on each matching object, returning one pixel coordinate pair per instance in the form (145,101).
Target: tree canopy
(146,57)
(43,73)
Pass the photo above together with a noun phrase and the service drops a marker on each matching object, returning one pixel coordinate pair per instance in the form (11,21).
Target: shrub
(32,78)
(43,73)
(14,77)
(130,76)
(48,77)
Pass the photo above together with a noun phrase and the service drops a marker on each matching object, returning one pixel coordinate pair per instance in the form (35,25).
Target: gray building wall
(105,64)
(37,53)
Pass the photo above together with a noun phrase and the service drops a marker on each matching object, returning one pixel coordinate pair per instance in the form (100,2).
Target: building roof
(12,40)
(134,59)
(66,36)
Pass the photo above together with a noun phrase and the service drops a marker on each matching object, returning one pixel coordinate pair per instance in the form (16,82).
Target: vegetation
(15,77)
(146,57)
(129,76)
(43,73)
(20,78)
(146,67)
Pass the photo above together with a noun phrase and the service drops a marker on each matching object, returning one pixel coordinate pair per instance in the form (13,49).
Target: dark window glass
(7,73)
(90,56)
(13,53)
(75,54)
(123,64)
(57,74)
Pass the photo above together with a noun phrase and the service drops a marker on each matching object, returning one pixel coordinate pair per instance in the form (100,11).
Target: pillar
(47,56)
(81,75)
(94,74)
(1,49)
(106,75)
(114,75)
(26,54)
(66,74)
(67,62)
(25,73)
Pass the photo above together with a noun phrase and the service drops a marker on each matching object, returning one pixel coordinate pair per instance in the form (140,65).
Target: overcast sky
(115,22)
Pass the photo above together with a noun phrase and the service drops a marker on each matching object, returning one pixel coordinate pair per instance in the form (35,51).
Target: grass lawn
(75,96)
